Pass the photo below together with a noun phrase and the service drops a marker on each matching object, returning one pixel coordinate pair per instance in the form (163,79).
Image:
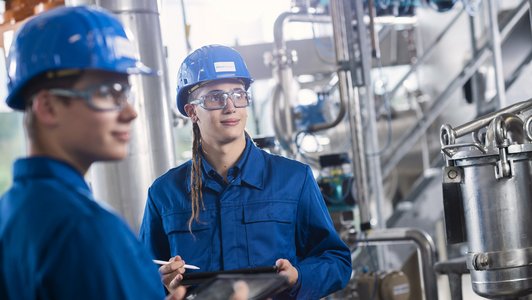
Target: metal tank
(124,185)
(487,187)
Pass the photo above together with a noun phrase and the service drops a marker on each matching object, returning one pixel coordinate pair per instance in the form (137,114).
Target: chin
(116,154)
(228,139)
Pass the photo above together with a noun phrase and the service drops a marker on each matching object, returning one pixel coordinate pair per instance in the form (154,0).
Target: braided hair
(196,184)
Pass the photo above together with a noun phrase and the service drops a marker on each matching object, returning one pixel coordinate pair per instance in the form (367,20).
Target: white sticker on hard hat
(124,48)
(224,66)
(74,38)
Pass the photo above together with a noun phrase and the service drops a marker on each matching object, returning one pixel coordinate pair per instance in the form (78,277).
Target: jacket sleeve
(152,233)
(324,259)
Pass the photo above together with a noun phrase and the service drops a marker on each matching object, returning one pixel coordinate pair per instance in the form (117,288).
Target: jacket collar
(46,167)
(252,168)
(250,165)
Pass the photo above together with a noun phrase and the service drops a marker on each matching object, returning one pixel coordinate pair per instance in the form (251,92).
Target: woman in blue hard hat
(68,71)
(234,206)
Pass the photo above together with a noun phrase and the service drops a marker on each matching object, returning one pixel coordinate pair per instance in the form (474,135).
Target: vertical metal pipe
(186,26)
(530,13)
(341,22)
(374,35)
(371,134)
(475,92)
(425,150)
(285,76)
(496,52)
(287,79)
(124,184)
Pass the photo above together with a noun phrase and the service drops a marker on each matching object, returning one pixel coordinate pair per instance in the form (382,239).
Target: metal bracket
(503,168)
(450,150)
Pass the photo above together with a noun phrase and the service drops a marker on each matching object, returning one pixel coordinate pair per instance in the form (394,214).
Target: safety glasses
(111,96)
(218,99)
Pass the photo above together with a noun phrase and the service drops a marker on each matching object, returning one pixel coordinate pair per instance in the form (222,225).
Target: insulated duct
(123,185)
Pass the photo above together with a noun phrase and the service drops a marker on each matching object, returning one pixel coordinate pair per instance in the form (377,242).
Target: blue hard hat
(78,38)
(209,63)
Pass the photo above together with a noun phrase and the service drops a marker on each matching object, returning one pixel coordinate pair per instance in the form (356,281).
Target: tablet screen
(196,278)
(220,287)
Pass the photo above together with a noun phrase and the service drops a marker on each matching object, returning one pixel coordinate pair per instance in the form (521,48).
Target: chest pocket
(270,231)
(194,247)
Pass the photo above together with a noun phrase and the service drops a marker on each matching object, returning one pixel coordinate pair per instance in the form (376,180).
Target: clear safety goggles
(218,99)
(102,97)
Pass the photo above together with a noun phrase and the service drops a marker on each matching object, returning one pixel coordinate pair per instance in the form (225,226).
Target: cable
(297,140)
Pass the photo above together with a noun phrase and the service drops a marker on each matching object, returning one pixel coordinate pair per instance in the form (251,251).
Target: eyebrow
(217,91)
(214,91)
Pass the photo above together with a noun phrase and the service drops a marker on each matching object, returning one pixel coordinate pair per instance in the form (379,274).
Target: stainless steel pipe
(124,184)
(425,248)
(341,23)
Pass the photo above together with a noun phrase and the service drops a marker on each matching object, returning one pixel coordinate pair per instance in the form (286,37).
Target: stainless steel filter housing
(487,186)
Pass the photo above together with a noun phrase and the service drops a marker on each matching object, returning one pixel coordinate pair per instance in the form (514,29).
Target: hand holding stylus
(172,273)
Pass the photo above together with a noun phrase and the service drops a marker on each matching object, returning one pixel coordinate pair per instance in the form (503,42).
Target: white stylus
(162,262)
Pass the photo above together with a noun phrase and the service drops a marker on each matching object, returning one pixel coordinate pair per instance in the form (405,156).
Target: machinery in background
(392,285)
(336,182)
(389,8)
(266,143)
(306,116)
(487,198)
(348,107)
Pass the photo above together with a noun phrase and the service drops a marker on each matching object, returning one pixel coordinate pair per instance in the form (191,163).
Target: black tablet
(220,287)
(201,277)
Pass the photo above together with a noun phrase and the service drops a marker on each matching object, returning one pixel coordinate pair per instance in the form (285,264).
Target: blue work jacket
(270,208)
(57,243)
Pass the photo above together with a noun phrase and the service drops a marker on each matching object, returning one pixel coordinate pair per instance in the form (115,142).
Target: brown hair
(196,196)
(63,79)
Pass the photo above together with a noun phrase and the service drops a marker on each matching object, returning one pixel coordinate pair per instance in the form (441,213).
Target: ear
(190,109)
(45,109)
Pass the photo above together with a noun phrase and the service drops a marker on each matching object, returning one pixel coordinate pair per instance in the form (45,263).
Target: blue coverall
(270,208)
(57,243)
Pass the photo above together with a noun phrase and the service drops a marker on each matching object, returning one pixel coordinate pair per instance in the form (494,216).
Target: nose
(229,105)
(128,113)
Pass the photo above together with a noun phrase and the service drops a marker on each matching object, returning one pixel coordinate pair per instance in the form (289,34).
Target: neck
(39,148)
(223,156)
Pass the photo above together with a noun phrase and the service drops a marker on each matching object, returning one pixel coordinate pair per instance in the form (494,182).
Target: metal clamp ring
(499,259)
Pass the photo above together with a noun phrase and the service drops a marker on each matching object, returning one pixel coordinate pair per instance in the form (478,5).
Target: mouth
(230,122)
(122,136)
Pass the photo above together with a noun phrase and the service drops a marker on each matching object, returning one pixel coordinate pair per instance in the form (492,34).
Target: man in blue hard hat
(68,71)
(234,206)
